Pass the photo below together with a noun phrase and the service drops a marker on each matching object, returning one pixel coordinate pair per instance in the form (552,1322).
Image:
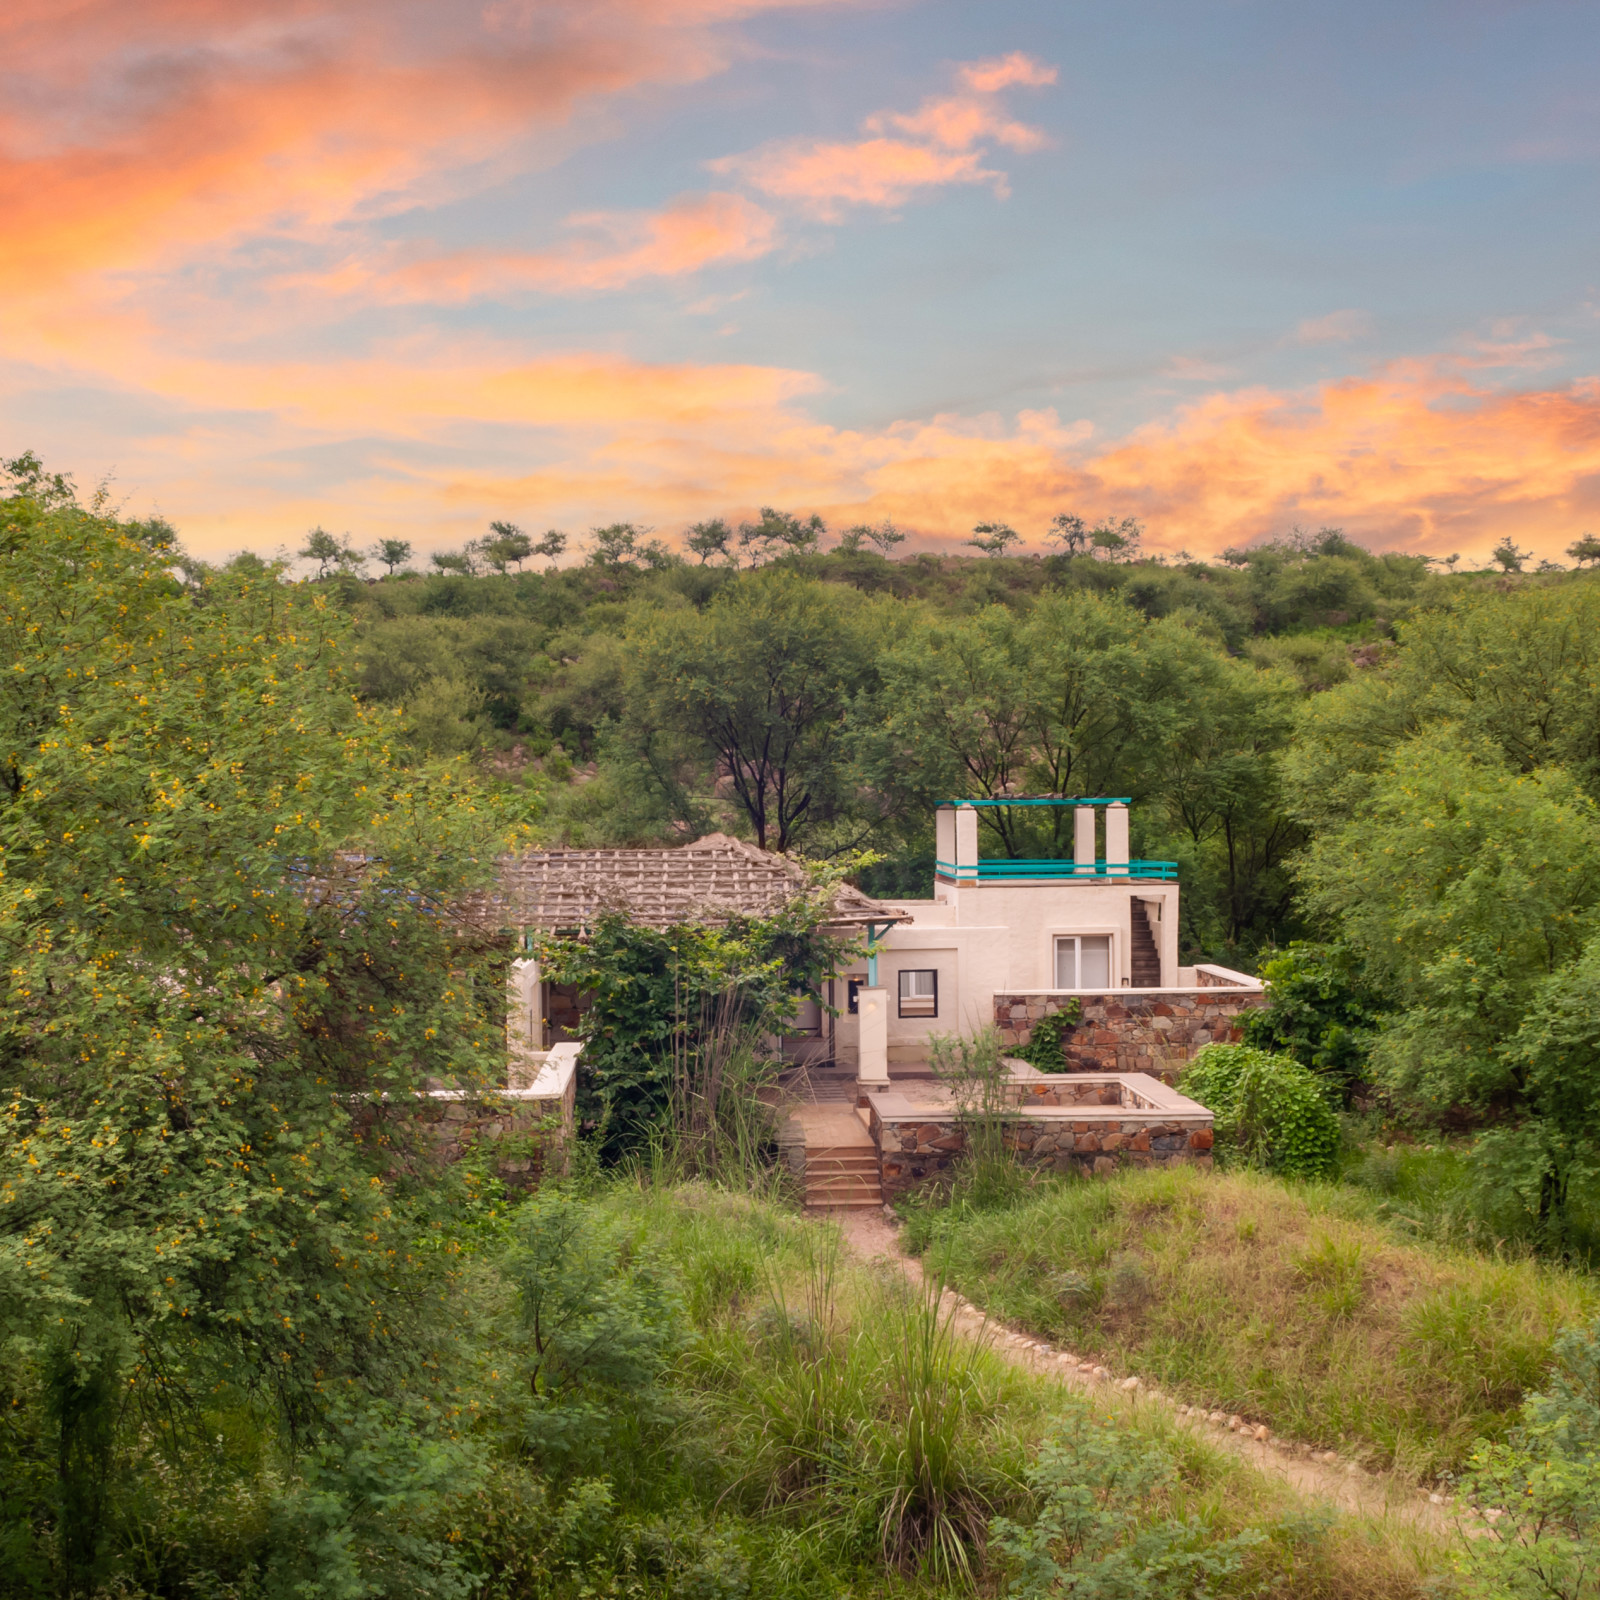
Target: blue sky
(400,268)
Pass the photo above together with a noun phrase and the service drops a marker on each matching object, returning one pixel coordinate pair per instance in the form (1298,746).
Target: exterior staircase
(843,1175)
(840,1156)
(1146,958)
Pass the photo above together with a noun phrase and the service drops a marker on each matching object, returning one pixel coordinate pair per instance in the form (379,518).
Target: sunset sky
(398,267)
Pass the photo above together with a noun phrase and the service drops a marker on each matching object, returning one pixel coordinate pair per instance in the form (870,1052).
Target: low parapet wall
(1155,1031)
(530,1123)
(1085,1124)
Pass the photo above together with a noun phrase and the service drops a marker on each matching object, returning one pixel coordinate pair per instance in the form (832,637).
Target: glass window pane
(1066,963)
(919,993)
(1095,961)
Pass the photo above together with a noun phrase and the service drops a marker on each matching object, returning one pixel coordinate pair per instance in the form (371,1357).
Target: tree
(1080,696)
(510,545)
(1462,886)
(327,551)
(462,563)
(616,545)
(1070,532)
(707,539)
(1509,557)
(756,688)
(993,538)
(780,532)
(50,491)
(1118,541)
(218,1001)
(884,536)
(552,545)
(1585,550)
(1518,670)
(392,553)
(1219,781)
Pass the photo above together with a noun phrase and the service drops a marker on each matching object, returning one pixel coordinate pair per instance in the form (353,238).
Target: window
(919,993)
(1083,961)
(853,1002)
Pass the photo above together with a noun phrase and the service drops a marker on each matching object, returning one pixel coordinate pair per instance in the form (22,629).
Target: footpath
(1316,1475)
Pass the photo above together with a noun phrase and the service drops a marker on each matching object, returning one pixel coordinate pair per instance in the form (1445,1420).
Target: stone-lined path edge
(870,1237)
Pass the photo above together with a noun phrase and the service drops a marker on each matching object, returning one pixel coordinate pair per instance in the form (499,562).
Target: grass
(1295,1306)
(836,1404)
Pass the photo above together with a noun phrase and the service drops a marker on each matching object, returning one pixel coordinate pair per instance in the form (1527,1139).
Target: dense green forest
(261,1341)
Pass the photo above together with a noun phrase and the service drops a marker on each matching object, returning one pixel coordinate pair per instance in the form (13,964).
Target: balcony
(1053,871)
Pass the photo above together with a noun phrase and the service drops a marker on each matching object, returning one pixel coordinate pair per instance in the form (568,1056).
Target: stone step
(838,1195)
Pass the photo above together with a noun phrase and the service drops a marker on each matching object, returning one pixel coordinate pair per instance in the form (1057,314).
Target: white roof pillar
(1083,851)
(1116,837)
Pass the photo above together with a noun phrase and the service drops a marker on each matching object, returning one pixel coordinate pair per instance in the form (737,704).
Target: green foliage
(356,1524)
(1461,886)
(664,1001)
(596,1323)
(1540,1489)
(750,695)
(228,965)
(1317,1011)
(1270,1111)
(1094,1534)
(1043,1048)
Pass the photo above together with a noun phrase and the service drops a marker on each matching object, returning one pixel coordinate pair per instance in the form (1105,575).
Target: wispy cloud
(944,141)
(605,250)
(1337,327)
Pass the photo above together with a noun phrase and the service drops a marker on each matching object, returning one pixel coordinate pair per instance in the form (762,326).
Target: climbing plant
(1044,1048)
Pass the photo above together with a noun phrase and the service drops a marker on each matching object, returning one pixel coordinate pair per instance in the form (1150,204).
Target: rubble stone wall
(1157,1031)
(914,1150)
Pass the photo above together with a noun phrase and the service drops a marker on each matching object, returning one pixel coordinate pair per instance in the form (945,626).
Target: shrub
(1270,1110)
(1542,1489)
(1099,1530)
(1317,1011)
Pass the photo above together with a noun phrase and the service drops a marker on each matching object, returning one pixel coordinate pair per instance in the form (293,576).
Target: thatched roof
(707,882)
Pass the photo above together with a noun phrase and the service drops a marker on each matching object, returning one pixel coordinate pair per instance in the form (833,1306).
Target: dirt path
(871,1237)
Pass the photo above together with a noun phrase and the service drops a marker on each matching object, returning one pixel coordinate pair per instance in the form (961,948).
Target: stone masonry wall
(914,1150)
(1142,1030)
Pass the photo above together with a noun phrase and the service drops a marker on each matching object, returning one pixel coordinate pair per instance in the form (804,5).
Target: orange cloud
(156,133)
(940,148)
(1419,455)
(868,172)
(612,250)
(1005,72)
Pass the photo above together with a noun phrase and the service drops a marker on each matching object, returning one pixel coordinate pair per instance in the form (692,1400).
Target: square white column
(872,1062)
(1117,837)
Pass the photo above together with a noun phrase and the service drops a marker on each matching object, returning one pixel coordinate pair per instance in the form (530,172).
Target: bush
(1542,1489)
(1270,1110)
(1318,1012)
(1099,1530)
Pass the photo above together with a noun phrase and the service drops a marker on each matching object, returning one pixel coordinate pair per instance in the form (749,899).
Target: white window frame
(903,997)
(1079,934)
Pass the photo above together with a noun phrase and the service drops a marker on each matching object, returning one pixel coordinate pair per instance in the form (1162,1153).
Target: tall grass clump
(857,1408)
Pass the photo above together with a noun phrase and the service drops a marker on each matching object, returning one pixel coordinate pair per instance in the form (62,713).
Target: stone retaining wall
(1132,1030)
(1129,1121)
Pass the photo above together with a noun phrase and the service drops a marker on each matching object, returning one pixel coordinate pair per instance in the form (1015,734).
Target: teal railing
(1011,871)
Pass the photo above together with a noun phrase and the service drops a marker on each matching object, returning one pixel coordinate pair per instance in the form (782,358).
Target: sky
(401,267)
